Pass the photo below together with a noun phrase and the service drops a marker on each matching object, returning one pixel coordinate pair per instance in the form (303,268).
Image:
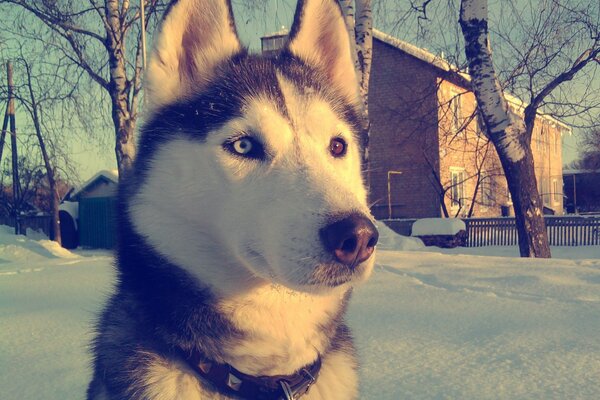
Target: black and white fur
(219,253)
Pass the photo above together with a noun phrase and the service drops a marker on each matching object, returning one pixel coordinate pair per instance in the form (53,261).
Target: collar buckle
(287,390)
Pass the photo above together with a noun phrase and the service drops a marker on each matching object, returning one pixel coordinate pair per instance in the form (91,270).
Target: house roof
(106,175)
(580,171)
(442,64)
(280,33)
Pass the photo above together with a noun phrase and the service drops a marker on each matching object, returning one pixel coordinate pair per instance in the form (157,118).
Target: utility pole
(3,134)
(13,145)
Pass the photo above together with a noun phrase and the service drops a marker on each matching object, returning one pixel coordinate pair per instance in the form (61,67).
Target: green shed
(97,202)
(97,225)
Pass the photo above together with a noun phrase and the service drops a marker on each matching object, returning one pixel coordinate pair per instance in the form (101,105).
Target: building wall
(546,144)
(465,152)
(403,143)
(463,147)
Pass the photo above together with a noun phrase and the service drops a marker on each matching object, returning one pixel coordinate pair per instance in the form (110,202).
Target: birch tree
(511,133)
(96,37)
(358,15)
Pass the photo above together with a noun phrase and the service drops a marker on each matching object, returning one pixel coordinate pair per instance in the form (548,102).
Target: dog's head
(250,165)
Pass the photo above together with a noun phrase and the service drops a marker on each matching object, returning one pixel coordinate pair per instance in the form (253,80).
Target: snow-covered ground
(457,324)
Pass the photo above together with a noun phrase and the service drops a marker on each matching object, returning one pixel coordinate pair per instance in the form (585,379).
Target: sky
(270,16)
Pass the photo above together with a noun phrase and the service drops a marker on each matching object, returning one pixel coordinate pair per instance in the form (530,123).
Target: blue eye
(243,146)
(246,146)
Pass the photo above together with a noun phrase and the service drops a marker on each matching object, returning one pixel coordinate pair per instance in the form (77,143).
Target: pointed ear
(195,36)
(319,37)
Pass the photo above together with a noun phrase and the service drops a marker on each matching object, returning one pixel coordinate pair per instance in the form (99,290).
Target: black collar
(280,387)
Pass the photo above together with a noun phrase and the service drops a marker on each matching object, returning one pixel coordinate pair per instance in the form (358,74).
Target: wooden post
(575,193)
(13,144)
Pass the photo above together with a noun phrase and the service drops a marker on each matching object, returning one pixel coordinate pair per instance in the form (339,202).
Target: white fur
(284,326)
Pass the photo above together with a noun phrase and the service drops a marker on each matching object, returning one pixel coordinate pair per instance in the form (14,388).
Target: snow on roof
(580,171)
(112,175)
(444,65)
(282,32)
(437,226)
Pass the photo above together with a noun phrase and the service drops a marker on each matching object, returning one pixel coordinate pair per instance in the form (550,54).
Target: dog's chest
(283,330)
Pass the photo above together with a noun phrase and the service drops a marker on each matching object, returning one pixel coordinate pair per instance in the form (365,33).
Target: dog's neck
(283,330)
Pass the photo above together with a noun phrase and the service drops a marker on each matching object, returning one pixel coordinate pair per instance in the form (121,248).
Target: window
(486,190)
(556,141)
(556,192)
(545,190)
(457,191)
(455,112)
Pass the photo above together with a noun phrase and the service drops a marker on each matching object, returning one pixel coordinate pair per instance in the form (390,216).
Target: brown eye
(337,147)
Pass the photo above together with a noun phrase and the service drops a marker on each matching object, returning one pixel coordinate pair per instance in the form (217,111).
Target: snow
(72,208)
(436,324)
(437,226)
(389,240)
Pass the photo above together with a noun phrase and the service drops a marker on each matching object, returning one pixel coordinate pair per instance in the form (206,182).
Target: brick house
(427,151)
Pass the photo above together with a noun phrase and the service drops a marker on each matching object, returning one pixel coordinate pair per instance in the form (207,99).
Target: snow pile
(390,240)
(427,325)
(24,249)
(438,226)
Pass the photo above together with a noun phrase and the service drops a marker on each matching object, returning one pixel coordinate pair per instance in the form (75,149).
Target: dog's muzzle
(350,238)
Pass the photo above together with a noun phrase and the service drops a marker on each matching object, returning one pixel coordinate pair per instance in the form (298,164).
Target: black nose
(351,239)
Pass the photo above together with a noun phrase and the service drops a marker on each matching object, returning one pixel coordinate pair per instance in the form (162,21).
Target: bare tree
(589,157)
(511,133)
(94,37)
(33,107)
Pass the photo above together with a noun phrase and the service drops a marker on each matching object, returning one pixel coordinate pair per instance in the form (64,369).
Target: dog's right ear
(194,37)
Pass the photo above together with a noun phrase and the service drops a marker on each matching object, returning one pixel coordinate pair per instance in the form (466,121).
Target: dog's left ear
(319,37)
(194,37)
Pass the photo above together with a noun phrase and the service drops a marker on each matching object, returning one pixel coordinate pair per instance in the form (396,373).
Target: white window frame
(556,192)
(455,108)
(486,190)
(457,189)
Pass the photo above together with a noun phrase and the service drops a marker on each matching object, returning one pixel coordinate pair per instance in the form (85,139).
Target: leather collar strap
(231,381)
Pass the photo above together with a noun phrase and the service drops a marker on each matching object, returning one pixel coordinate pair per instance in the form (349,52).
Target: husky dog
(244,224)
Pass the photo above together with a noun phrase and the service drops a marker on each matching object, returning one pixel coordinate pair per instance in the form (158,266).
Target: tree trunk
(506,131)
(122,118)
(528,207)
(360,31)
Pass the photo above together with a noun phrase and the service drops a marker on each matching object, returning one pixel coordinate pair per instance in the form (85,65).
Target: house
(582,190)
(428,156)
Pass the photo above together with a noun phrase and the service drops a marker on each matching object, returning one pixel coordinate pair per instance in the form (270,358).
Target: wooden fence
(40,223)
(562,231)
